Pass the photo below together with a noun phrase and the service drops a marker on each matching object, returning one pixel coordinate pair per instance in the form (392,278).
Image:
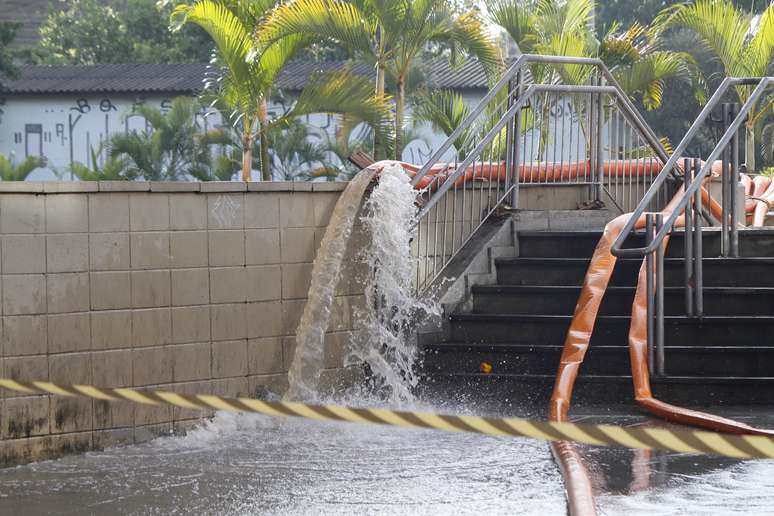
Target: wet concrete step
(526,359)
(611,330)
(549,300)
(581,244)
(602,390)
(718,272)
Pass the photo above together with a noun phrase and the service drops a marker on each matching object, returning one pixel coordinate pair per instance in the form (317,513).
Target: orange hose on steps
(578,337)
(576,476)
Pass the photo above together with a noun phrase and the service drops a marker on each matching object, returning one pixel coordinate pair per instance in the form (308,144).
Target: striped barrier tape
(698,442)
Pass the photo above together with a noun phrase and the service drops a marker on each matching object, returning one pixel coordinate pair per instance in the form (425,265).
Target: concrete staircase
(518,322)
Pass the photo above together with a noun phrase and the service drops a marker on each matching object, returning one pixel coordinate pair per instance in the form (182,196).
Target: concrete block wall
(194,288)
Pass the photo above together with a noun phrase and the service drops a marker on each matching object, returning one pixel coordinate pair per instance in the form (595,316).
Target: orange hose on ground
(577,481)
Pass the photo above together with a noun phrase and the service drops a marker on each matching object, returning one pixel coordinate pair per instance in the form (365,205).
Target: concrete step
(534,391)
(610,330)
(549,300)
(581,244)
(526,359)
(718,272)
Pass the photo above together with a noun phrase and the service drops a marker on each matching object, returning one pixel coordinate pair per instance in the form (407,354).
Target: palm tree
(390,34)
(250,74)
(114,168)
(166,152)
(743,43)
(245,86)
(12,171)
(445,110)
(566,27)
(296,155)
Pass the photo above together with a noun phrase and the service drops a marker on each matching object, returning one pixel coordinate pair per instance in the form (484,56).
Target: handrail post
(698,242)
(724,180)
(660,299)
(733,180)
(515,171)
(649,271)
(599,165)
(508,138)
(688,238)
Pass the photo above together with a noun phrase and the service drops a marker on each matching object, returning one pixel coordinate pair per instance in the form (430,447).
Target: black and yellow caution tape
(699,442)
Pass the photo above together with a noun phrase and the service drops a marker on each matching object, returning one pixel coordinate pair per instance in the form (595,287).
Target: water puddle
(246,464)
(256,465)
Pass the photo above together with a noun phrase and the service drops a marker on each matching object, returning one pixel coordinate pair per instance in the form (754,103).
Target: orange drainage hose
(576,477)
(542,172)
(578,337)
(574,472)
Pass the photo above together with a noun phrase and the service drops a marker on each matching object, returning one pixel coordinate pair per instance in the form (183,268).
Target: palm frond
(232,39)
(720,26)
(342,92)
(647,76)
(445,110)
(469,33)
(333,20)
(760,49)
(517,18)
(12,171)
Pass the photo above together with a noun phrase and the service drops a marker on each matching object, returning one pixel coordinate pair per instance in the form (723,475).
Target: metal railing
(574,126)
(658,226)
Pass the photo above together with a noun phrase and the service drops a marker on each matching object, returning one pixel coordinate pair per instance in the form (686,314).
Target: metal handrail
(512,72)
(617,247)
(458,198)
(492,133)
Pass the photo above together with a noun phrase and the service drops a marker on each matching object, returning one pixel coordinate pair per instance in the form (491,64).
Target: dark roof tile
(189,78)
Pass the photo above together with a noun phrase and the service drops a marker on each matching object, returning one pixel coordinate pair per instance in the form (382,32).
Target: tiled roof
(468,75)
(188,78)
(107,78)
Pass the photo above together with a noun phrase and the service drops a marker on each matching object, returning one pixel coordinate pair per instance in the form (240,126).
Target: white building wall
(65,128)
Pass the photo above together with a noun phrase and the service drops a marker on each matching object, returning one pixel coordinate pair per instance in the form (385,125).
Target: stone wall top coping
(55,187)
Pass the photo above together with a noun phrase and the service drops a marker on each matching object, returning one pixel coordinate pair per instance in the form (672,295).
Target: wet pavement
(239,464)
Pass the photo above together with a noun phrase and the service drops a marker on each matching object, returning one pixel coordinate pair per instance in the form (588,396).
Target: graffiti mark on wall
(224,211)
(66,131)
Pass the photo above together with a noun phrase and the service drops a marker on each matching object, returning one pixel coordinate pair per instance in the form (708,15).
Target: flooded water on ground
(256,465)
(239,464)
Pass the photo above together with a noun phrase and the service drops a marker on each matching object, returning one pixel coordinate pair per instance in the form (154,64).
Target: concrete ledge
(269,186)
(124,186)
(329,186)
(21,187)
(175,186)
(169,186)
(70,186)
(223,186)
(299,186)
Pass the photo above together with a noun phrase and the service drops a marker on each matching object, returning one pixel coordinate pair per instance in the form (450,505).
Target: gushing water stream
(383,341)
(305,371)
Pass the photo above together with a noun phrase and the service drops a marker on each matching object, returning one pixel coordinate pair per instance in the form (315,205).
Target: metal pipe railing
(690,205)
(525,132)
(617,248)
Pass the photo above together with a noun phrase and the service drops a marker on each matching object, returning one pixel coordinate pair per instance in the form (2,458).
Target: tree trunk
(378,154)
(247,156)
(265,159)
(750,148)
(400,107)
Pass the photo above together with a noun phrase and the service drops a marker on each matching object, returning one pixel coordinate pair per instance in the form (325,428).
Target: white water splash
(306,369)
(385,339)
